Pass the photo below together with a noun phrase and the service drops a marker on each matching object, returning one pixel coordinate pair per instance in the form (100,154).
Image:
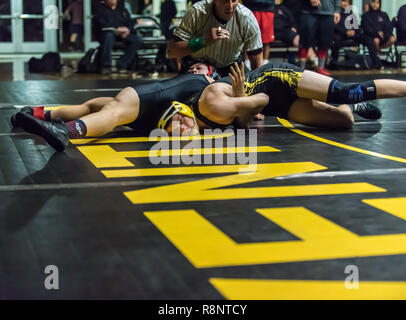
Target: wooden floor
(320,207)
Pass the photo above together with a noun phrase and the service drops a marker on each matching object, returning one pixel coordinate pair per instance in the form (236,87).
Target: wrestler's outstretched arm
(221,106)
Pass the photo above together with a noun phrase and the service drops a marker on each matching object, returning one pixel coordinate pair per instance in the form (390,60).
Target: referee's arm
(177,48)
(256,58)
(253,42)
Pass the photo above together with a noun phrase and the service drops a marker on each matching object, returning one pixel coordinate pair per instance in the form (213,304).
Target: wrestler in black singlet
(278,80)
(156,98)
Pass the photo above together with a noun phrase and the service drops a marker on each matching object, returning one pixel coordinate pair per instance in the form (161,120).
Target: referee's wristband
(195,44)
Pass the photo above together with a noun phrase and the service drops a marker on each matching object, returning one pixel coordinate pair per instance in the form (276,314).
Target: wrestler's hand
(238,79)
(216,34)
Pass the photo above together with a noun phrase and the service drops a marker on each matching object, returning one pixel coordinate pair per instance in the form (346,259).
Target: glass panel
(5,7)
(94,3)
(5,24)
(33,28)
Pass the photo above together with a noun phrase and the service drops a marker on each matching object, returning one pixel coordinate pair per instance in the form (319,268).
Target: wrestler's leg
(319,114)
(121,110)
(73,112)
(316,86)
(313,85)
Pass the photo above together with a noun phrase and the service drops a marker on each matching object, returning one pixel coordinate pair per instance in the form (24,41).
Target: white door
(89,36)
(28,26)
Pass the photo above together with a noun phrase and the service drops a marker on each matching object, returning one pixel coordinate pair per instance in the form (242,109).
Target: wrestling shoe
(367,110)
(55,132)
(13,119)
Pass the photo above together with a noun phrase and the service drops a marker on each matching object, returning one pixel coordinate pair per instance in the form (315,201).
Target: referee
(219,31)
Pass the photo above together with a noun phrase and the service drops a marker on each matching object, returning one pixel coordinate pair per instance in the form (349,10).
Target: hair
(188,61)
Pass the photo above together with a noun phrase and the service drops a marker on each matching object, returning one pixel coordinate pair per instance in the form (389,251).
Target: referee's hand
(216,34)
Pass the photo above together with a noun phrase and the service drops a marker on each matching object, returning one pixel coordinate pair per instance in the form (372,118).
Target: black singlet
(156,97)
(279,81)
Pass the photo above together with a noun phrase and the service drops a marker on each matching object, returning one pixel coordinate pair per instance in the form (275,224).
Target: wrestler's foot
(367,110)
(13,119)
(55,132)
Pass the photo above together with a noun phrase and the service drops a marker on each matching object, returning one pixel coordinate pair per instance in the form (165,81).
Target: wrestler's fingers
(237,68)
(235,74)
(242,70)
(232,78)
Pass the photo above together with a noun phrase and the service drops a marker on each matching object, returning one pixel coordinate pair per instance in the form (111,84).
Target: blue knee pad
(350,93)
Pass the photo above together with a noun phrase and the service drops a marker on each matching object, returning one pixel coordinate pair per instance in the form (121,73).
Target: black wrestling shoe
(367,110)
(13,119)
(55,132)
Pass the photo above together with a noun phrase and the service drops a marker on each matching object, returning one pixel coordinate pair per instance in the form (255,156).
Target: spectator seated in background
(342,35)
(401,25)
(286,29)
(113,23)
(377,26)
(167,17)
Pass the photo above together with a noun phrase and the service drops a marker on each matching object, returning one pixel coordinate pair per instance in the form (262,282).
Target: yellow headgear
(176,107)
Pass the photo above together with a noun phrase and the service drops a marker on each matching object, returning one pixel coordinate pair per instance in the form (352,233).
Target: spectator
(295,7)
(341,33)
(317,29)
(75,10)
(285,25)
(401,25)
(167,17)
(218,30)
(377,27)
(113,23)
(263,10)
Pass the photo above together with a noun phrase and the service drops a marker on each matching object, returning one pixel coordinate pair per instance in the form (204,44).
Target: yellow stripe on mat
(290,126)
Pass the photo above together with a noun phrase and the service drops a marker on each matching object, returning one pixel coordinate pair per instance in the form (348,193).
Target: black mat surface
(62,210)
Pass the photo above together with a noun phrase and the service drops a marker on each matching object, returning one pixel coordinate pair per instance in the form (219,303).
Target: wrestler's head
(179,119)
(225,8)
(199,66)
(182,125)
